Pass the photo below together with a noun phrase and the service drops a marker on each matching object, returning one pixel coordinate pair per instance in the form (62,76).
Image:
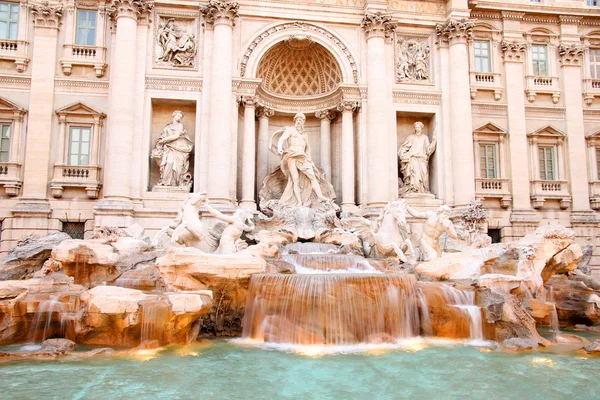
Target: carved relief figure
(414,156)
(437,222)
(237,224)
(172,154)
(297,181)
(177,47)
(412,60)
(188,229)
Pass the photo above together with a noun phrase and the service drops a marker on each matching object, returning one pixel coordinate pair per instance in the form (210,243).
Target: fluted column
(262,149)
(456,34)
(46,22)
(514,55)
(222,15)
(571,58)
(249,153)
(377,27)
(347,109)
(326,117)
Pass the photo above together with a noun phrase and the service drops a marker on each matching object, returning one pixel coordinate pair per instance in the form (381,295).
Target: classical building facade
(112,111)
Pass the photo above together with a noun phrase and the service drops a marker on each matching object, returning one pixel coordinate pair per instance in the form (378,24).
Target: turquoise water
(228,370)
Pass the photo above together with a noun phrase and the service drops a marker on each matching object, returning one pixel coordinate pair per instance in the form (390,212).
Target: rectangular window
(74,229)
(539,53)
(595,63)
(79,146)
(487,158)
(482,56)
(593,2)
(5,142)
(547,167)
(9,20)
(86,28)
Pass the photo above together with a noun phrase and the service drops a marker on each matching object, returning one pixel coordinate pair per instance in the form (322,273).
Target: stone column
(377,27)
(326,117)
(456,34)
(262,150)
(347,109)
(249,153)
(116,208)
(222,15)
(571,58)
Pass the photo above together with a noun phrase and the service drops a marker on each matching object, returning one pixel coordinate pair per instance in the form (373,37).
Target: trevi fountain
(300,300)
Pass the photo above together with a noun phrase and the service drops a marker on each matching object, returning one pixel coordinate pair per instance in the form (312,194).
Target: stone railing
(93,56)
(547,190)
(591,89)
(542,84)
(595,194)
(485,81)
(10,178)
(87,177)
(493,188)
(14,50)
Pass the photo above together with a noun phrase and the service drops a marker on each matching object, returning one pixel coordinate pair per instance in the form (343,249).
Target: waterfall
(47,314)
(333,309)
(554,323)
(334,263)
(310,248)
(155,314)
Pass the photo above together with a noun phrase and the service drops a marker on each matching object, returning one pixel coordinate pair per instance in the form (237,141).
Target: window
(86,28)
(79,146)
(593,2)
(595,63)
(540,59)
(4,142)
(546,154)
(482,56)
(9,20)
(74,229)
(495,235)
(487,157)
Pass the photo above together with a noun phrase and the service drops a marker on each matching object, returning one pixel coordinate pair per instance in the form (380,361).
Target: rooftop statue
(297,181)
(172,154)
(414,156)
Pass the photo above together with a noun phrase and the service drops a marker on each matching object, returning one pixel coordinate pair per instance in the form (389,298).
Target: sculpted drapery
(172,153)
(414,156)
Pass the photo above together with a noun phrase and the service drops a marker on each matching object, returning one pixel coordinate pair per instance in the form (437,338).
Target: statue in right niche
(414,156)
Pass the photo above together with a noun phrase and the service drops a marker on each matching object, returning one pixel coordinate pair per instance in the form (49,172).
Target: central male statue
(297,181)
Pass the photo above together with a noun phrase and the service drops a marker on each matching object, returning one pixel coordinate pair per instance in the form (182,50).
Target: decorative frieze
(455,31)
(378,25)
(177,84)
(348,106)
(513,51)
(175,43)
(46,15)
(571,55)
(413,60)
(130,8)
(220,12)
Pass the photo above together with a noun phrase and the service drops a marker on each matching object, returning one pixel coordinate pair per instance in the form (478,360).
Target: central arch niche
(299,68)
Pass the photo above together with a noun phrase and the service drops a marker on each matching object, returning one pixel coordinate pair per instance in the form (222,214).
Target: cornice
(172,83)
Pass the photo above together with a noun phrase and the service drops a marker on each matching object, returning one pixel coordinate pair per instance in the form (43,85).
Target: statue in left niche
(176,46)
(172,154)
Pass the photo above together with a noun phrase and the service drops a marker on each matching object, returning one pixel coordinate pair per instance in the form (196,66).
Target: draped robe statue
(172,154)
(414,160)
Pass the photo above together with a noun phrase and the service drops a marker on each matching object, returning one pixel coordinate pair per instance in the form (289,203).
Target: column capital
(347,106)
(325,114)
(249,101)
(129,8)
(571,55)
(220,12)
(513,51)
(454,31)
(264,112)
(46,15)
(378,25)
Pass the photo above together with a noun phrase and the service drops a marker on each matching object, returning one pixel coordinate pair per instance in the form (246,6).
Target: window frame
(86,28)
(476,56)
(10,21)
(553,162)
(70,154)
(483,155)
(546,61)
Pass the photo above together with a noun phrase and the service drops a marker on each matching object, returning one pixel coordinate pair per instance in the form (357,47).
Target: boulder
(29,255)
(520,344)
(464,265)
(57,347)
(499,282)
(592,348)
(562,262)
(576,302)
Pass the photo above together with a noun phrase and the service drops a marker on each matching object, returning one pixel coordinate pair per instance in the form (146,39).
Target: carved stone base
(171,189)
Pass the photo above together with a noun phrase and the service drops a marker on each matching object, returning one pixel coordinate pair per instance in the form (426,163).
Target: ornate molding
(249,101)
(513,51)
(305,27)
(264,112)
(324,114)
(220,12)
(571,55)
(348,106)
(512,15)
(178,84)
(130,8)
(378,25)
(46,15)
(434,99)
(569,19)
(455,31)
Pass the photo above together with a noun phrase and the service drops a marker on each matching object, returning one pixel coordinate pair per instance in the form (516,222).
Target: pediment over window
(8,107)
(81,110)
(593,135)
(548,132)
(490,129)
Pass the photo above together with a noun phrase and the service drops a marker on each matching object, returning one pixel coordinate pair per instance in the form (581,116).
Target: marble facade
(363,73)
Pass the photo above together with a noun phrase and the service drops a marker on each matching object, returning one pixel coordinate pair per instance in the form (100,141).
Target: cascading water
(48,314)
(554,323)
(155,314)
(465,301)
(338,263)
